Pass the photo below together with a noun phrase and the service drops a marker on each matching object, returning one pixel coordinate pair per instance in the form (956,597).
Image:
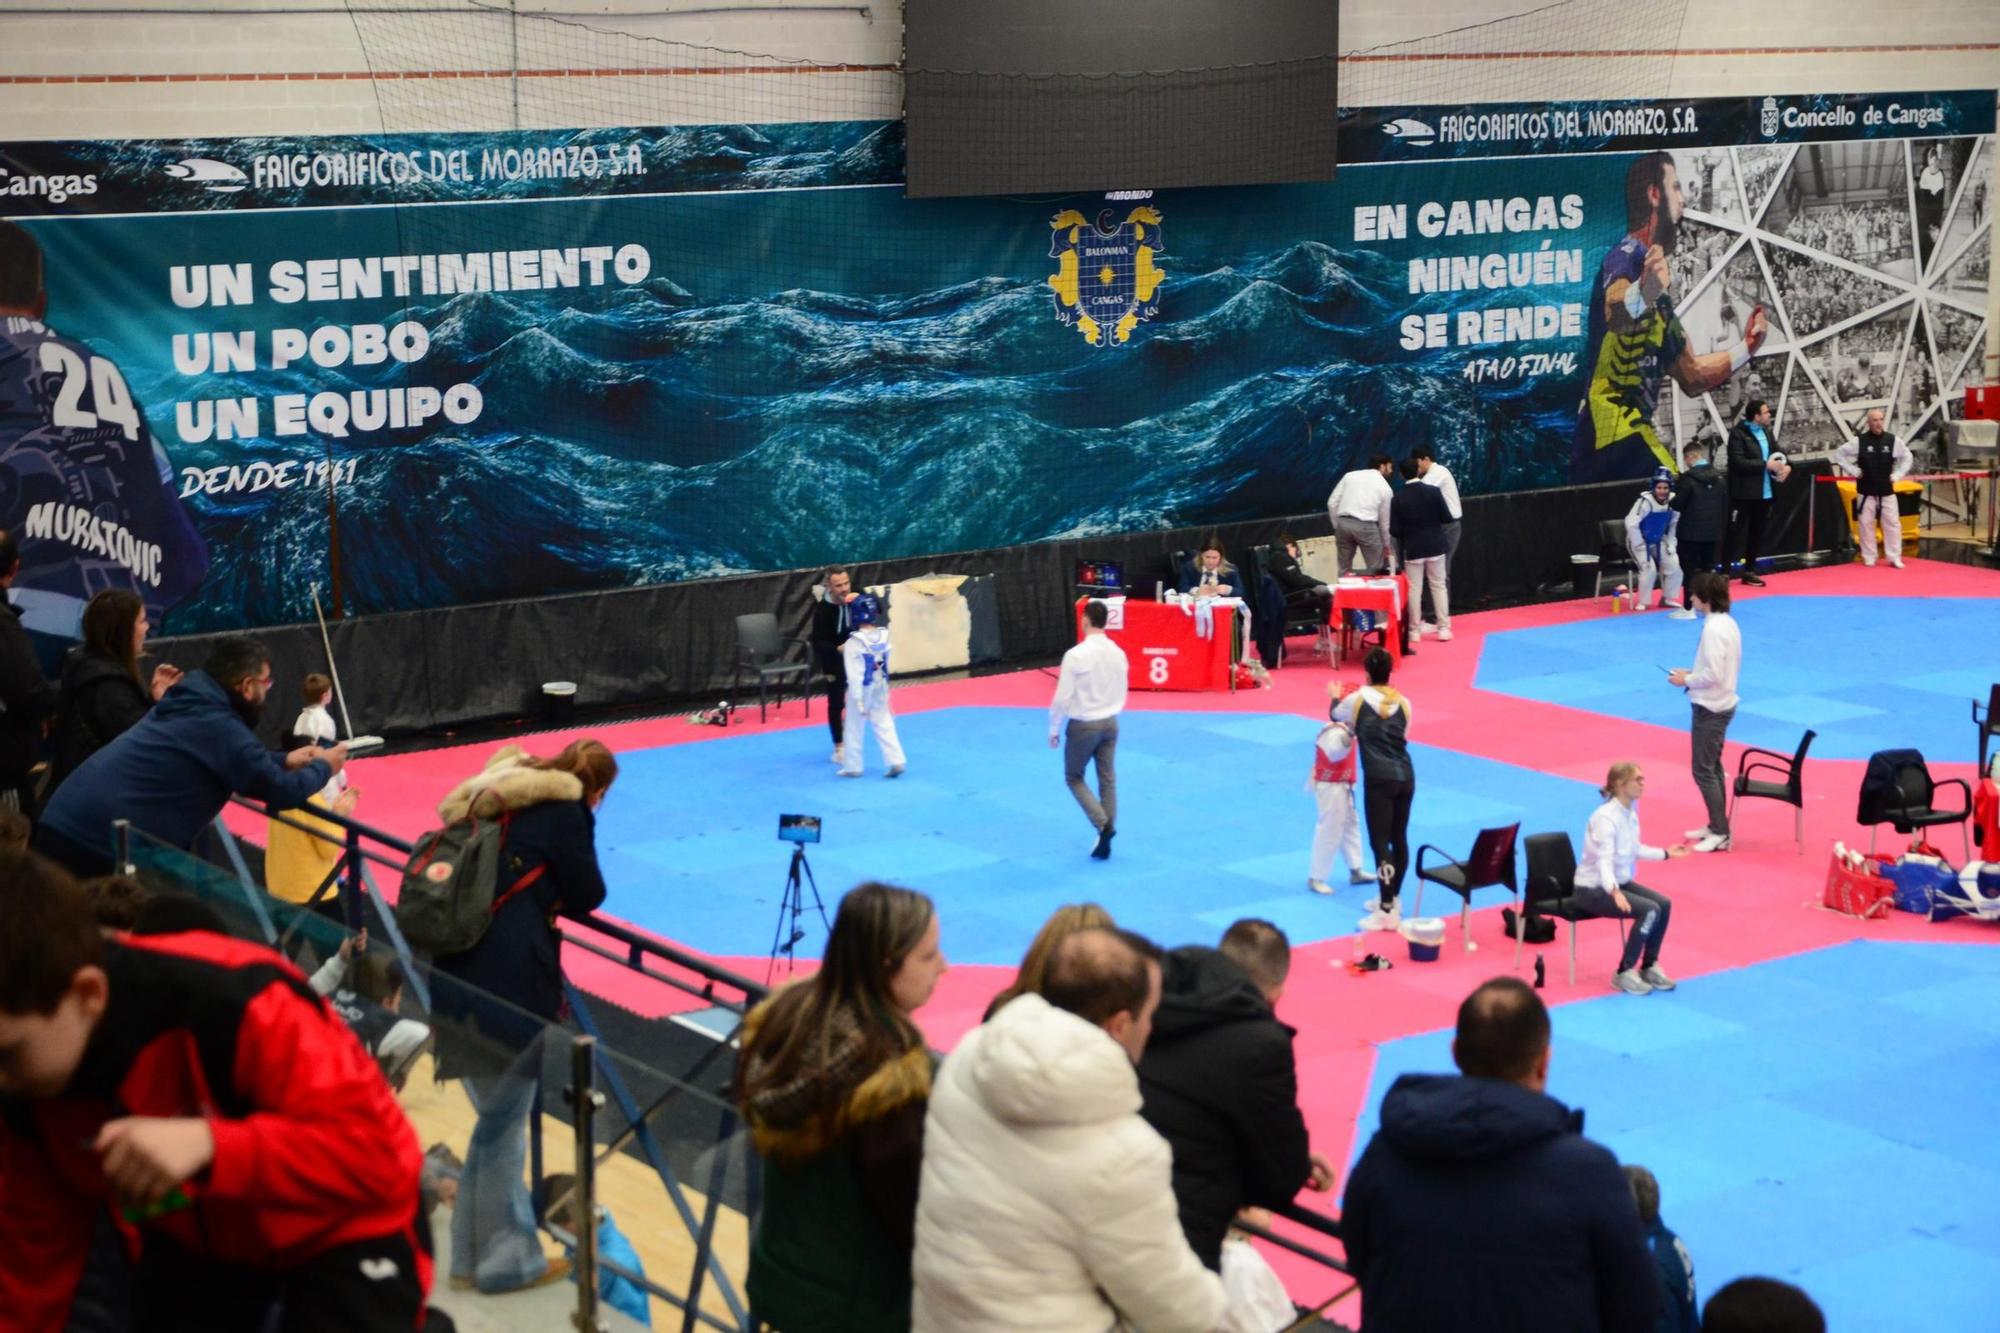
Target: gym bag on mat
(446,903)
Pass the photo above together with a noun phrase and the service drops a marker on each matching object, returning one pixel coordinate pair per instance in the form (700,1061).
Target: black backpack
(1537,930)
(446,903)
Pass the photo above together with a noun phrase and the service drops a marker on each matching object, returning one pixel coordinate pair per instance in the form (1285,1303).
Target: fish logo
(217,177)
(1768,123)
(1412,132)
(1106,279)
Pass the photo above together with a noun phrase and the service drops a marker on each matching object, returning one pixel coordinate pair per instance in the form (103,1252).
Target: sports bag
(446,903)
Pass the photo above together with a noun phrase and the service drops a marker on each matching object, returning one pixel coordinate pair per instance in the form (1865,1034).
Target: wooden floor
(626,1186)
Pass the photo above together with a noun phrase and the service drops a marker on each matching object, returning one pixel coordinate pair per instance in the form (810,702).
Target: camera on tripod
(798,830)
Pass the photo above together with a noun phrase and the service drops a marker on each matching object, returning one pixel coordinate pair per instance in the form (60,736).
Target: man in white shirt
(1046,1201)
(1711,688)
(1359,508)
(1433,473)
(1090,694)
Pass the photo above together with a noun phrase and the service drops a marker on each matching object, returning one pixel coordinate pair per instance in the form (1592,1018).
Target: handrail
(1307,1218)
(329,816)
(639,946)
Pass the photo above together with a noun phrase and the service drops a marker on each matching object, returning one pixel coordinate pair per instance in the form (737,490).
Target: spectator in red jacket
(192,1093)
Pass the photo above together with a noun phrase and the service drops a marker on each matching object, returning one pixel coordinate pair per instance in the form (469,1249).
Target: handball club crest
(1105,280)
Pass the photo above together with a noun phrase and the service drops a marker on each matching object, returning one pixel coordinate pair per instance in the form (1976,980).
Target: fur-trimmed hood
(508,783)
(894,1084)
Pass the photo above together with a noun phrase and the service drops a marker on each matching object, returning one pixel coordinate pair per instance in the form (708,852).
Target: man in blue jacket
(172,773)
(1479,1203)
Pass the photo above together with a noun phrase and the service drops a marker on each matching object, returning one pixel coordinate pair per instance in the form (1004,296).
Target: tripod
(792,905)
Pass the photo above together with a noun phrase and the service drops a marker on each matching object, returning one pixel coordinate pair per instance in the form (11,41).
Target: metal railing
(596,1083)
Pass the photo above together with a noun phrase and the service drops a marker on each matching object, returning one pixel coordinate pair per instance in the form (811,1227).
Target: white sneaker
(1444,635)
(1418,633)
(849,773)
(1697,834)
(1656,978)
(1896,561)
(1680,613)
(1360,876)
(1868,564)
(1319,886)
(1714,842)
(1373,904)
(1428,626)
(838,756)
(1380,920)
(1631,983)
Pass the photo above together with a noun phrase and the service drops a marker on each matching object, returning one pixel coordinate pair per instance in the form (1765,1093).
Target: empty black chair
(1551,890)
(1898,790)
(773,658)
(1613,555)
(1490,865)
(1788,786)
(1988,723)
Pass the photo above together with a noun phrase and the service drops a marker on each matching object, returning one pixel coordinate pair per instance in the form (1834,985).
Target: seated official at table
(1303,592)
(1213,575)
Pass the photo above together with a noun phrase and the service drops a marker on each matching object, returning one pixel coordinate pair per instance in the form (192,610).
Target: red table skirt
(1162,650)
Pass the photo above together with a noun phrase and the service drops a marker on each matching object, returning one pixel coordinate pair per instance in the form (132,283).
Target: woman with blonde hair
(1611,851)
(1064,922)
(834,1080)
(547,811)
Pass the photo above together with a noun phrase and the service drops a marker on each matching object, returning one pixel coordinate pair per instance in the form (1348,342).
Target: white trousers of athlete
(1339,828)
(871,705)
(1883,512)
(1661,564)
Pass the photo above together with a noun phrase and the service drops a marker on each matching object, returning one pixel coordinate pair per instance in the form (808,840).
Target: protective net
(462,64)
(1574,50)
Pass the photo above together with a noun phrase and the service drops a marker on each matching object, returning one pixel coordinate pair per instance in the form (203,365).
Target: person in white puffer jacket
(1046,1202)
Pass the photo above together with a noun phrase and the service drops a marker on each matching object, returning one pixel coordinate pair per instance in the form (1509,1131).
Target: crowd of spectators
(1818,296)
(1955,330)
(1699,250)
(1760,167)
(1868,233)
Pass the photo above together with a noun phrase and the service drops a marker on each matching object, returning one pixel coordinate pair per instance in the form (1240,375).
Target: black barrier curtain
(675,644)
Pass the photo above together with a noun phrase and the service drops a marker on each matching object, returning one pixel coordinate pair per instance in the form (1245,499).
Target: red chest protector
(1332,770)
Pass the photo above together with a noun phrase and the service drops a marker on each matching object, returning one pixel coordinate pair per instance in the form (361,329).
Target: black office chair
(1906,800)
(1490,865)
(1300,610)
(1551,890)
(1788,787)
(1988,723)
(773,658)
(1613,555)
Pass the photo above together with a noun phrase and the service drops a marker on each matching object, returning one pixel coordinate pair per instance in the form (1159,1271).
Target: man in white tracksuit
(1649,533)
(866,654)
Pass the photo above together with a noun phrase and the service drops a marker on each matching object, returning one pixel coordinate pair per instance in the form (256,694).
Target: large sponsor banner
(511,364)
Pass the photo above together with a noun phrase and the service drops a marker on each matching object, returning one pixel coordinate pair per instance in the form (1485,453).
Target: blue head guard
(865,609)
